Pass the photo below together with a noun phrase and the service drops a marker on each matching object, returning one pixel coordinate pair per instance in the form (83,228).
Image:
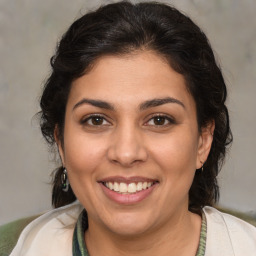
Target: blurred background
(29,31)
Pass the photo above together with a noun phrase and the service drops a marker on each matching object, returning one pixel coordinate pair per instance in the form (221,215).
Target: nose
(127,147)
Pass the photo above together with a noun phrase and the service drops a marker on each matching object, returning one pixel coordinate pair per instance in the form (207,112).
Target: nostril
(126,158)
(126,146)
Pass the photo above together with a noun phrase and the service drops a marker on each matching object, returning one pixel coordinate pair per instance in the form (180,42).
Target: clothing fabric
(52,234)
(79,247)
(10,232)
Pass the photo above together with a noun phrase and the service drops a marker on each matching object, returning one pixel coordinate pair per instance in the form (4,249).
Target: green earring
(64,181)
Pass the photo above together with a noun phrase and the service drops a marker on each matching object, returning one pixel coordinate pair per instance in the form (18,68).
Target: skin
(129,141)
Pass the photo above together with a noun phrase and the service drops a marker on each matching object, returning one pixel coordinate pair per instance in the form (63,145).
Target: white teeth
(129,188)
(116,187)
(149,184)
(123,187)
(110,186)
(132,188)
(139,186)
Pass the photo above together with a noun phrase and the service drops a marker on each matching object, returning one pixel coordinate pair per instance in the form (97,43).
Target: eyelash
(102,118)
(169,119)
(86,120)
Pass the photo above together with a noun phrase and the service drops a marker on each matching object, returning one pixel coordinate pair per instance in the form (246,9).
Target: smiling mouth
(128,188)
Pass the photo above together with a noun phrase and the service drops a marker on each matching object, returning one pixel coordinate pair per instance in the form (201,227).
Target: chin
(129,224)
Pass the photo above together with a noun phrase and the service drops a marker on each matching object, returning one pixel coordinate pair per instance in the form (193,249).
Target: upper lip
(133,179)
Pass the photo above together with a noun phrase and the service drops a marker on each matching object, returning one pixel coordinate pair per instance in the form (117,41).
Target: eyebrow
(143,106)
(159,102)
(96,103)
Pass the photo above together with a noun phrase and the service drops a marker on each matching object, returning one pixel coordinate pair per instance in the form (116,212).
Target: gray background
(29,30)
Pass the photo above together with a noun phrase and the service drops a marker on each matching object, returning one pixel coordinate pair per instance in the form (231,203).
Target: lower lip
(127,198)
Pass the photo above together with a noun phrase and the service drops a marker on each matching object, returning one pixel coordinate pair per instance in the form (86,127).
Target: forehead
(130,79)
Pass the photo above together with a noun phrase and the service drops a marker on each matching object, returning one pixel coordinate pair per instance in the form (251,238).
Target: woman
(136,106)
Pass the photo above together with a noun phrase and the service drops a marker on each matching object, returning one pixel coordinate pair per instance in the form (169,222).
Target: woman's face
(131,143)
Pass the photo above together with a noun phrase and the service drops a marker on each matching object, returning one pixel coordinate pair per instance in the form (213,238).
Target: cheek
(176,156)
(82,154)
(83,158)
(176,153)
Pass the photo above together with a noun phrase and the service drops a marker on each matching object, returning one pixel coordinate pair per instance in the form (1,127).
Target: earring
(64,180)
(202,167)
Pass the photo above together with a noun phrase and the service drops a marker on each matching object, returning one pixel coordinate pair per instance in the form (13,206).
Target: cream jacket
(51,234)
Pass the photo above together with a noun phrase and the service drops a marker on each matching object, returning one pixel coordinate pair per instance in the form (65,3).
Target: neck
(178,237)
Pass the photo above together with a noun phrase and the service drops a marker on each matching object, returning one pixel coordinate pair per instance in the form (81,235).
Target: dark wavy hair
(122,28)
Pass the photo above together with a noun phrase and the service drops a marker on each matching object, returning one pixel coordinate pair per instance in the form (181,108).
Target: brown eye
(97,120)
(159,120)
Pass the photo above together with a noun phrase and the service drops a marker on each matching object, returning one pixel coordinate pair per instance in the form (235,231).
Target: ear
(59,144)
(205,143)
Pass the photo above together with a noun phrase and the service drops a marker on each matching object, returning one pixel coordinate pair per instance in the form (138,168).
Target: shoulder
(10,232)
(228,234)
(53,228)
(231,222)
